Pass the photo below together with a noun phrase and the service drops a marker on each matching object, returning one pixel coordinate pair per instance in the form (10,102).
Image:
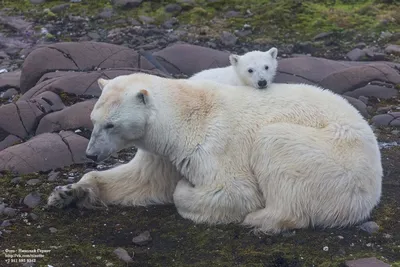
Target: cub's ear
(143,96)
(273,52)
(102,83)
(234,59)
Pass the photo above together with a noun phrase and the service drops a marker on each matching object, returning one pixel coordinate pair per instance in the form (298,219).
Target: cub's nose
(92,157)
(262,83)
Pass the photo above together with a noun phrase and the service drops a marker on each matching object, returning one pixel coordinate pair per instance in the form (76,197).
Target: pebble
(53,230)
(393,49)
(370,227)
(32,200)
(123,255)
(2,207)
(33,182)
(325,248)
(5,224)
(53,176)
(9,93)
(33,216)
(142,239)
(356,54)
(10,212)
(228,38)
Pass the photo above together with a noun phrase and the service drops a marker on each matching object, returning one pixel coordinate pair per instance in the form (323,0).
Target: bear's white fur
(292,156)
(256,69)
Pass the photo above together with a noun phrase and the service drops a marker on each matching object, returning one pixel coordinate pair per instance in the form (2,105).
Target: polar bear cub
(290,157)
(255,69)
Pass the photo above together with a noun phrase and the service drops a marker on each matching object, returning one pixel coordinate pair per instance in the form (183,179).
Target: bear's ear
(102,83)
(273,52)
(143,96)
(233,59)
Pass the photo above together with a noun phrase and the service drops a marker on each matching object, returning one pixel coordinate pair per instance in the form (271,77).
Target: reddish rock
(189,59)
(10,121)
(388,119)
(76,145)
(73,117)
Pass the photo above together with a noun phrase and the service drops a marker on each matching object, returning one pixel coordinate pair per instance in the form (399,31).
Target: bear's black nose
(92,157)
(262,83)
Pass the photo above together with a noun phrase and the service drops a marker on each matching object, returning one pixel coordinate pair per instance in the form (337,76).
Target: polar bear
(256,69)
(290,157)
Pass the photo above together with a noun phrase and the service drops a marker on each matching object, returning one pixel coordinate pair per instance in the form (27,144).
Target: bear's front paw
(63,196)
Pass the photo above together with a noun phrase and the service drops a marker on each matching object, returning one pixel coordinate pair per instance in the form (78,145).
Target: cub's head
(256,69)
(119,116)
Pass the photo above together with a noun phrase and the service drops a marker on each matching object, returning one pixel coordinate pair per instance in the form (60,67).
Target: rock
(94,36)
(232,14)
(33,216)
(123,255)
(33,182)
(9,93)
(127,3)
(303,48)
(358,104)
(53,230)
(10,80)
(170,23)
(59,8)
(142,239)
(392,49)
(10,212)
(16,180)
(146,19)
(37,1)
(53,176)
(2,207)
(356,54)
(322,35)
(377,91)
(106,13)
(370,227)
(5,224)
(360,45)
(228,38)
(366,262)
(389,119)
(32,200)
(376,56)
(173,8)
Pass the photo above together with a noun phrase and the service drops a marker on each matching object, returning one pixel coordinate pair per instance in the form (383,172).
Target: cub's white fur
(290,157)
(255,69)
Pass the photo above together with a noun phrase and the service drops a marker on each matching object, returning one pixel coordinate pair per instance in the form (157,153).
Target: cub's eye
(266,67)
(250,70)
(109,126)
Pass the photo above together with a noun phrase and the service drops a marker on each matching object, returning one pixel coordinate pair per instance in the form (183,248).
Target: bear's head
(119,116)
(256,68)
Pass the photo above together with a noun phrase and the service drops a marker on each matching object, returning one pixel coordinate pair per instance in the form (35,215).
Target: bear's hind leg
(147,179)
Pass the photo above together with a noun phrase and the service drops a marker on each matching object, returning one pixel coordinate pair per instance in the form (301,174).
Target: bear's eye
(266,67)
(250,70)
(109,126)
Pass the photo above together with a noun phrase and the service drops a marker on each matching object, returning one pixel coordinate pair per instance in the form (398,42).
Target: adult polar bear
(290,157)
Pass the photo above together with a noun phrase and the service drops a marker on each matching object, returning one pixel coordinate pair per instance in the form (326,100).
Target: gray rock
(9,93)
(10,212)
(53,176)
(146,19)
(16,180)
(5,224)
(228,38)
(53,230)
(123,255)
(376,56)
(32,200)
(106,13)
(142,239)
(2,207)
(232,14)
(370,227)
(33,182)
(33,216)
(393,49)
(127,3)
(366,262)
(37,1)
(94,36)
(59,8)
(360,45)
(356,54)
(322,35)
(173,8)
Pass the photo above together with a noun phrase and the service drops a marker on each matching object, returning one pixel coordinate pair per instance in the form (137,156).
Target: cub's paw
(67,195)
